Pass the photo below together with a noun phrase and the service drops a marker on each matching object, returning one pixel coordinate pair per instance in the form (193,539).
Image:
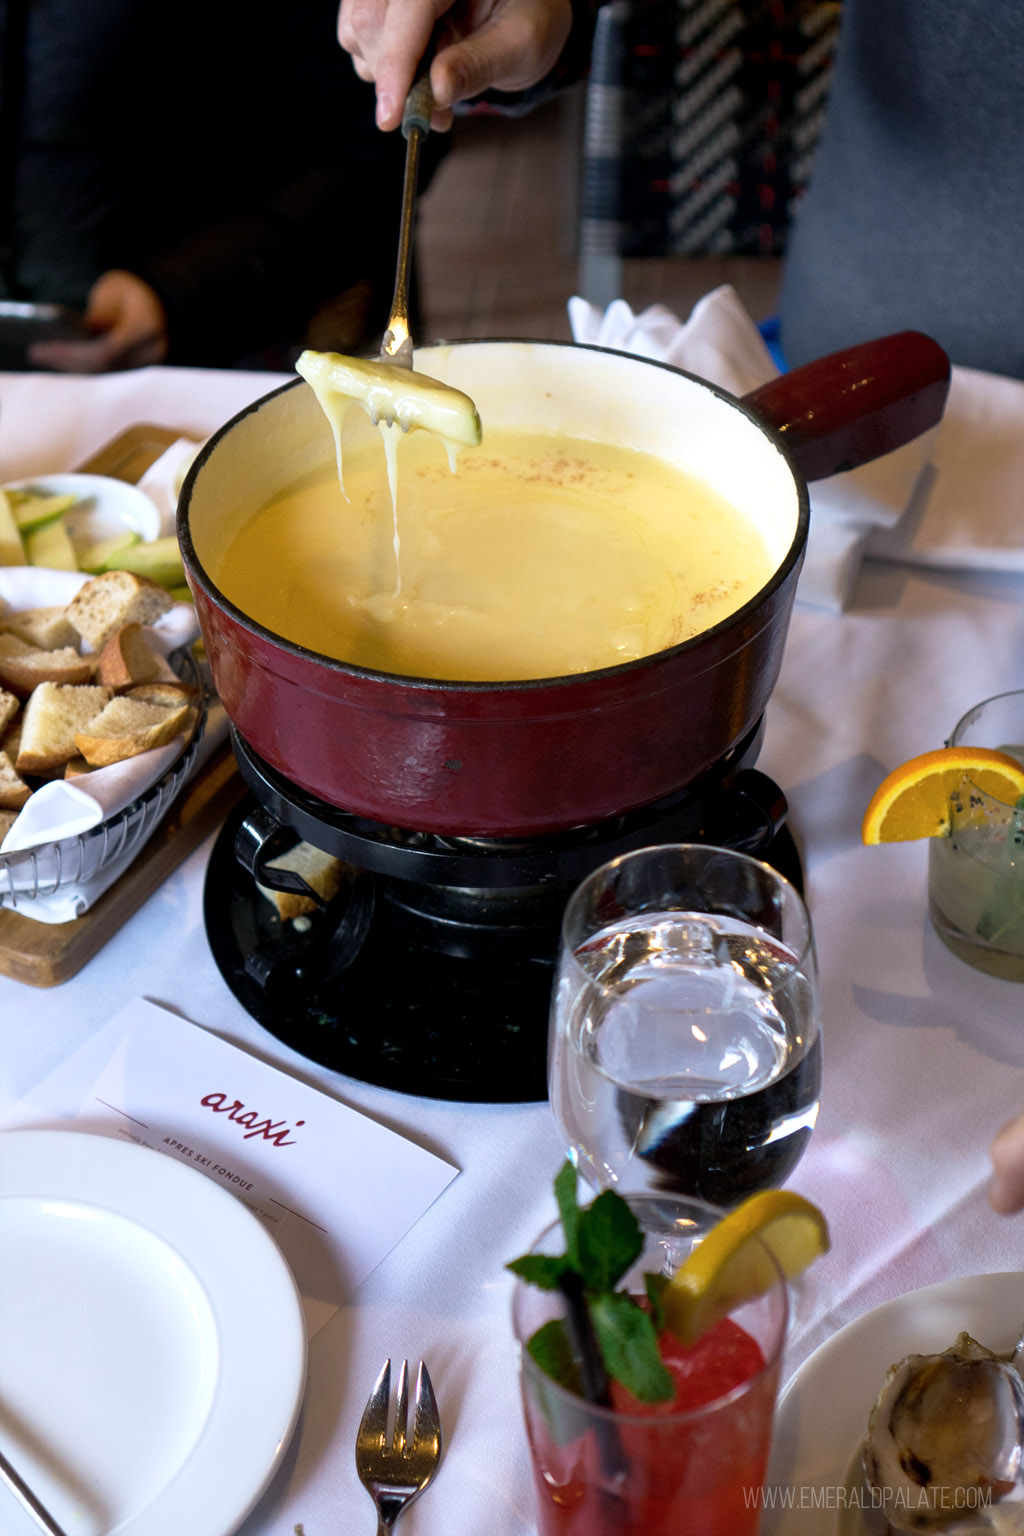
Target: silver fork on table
(395,1473)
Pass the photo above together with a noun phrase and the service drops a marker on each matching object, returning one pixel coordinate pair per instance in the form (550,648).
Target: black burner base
(401,1015)
(385,993)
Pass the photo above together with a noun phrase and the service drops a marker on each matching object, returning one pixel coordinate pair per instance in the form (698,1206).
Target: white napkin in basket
(163,480)
(65,809)
(951,498)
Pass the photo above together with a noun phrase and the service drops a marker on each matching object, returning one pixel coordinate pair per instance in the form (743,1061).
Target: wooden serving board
(46,954)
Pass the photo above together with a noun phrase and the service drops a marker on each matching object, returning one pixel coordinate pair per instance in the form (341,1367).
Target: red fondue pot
(523,758)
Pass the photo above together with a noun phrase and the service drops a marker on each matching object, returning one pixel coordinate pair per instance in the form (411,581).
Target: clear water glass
(685,1040)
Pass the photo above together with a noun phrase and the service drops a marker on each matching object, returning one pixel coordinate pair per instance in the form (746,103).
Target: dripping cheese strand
(390,440)
(394,398)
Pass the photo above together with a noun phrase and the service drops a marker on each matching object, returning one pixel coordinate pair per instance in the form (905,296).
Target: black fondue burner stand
(431,972)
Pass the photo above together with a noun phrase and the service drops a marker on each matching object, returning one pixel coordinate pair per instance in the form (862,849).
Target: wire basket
(31,873)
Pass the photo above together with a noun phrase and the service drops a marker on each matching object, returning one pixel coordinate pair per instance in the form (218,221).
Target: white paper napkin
(951,498)
(63,808)
(719,342)
(973,516)
(67,808)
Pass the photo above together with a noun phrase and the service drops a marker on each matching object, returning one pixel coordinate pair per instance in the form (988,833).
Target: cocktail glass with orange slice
(976,874)
(968,799)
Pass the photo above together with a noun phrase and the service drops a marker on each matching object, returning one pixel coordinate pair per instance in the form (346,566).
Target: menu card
(336,1190)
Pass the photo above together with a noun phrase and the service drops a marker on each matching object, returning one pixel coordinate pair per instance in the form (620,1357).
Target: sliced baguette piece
(129,657)
(9,706)
(321,872)
(13,789)
(7,820)
(76,768)
(48,628)
(169,694)
(10,738)
(112,599)
(52,716)
(23,666)
(127,727)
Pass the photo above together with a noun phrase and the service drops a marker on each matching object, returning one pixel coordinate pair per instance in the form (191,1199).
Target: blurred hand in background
(129,329)
(1006,1192)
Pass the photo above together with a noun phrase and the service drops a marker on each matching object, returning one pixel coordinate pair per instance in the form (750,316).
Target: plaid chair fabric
(701,122)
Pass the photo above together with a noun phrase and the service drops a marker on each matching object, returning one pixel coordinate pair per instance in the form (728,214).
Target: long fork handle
(419,104)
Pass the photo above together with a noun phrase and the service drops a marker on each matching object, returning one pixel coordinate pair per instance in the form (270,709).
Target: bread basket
(52,867)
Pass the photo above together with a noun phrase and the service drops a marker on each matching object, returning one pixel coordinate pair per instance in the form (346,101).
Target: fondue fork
(387,386)
(396,346)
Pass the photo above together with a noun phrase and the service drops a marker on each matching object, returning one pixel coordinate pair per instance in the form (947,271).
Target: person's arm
(480,46)
(1006,1191)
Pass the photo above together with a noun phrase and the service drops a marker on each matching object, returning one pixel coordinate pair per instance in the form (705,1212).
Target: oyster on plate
(945,1441)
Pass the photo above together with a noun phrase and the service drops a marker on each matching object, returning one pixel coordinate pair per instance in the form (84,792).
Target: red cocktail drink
(693,1466)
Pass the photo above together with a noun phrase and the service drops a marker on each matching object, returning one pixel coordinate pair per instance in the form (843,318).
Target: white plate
(104,506)
(824,1410)
(154,1350)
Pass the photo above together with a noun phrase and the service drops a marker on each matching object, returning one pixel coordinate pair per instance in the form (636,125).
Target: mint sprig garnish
(629,1347)
(602,1242)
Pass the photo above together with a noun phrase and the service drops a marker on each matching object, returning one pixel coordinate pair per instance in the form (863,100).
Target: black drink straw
(593,1378)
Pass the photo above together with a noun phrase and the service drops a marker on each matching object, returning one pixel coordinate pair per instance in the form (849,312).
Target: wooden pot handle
(856,405)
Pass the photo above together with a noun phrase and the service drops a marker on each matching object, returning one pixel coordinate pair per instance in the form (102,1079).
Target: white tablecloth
(924,1055)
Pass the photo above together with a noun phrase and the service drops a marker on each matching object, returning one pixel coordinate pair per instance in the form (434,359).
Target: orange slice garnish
(914,800)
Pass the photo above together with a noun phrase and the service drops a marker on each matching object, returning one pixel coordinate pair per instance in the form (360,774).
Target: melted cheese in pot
(542,556)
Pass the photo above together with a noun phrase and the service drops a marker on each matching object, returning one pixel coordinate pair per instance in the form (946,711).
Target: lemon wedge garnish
(914,800)
(733,1263)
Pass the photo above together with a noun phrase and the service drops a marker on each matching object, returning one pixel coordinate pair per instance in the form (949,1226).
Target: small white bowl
(104,507)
